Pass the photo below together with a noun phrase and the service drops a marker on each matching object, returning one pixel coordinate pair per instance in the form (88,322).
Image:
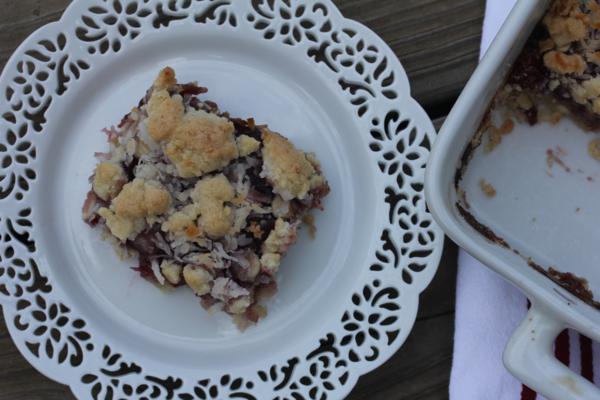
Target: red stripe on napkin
(587,358)
(561,348)
(527,394)
(561,351)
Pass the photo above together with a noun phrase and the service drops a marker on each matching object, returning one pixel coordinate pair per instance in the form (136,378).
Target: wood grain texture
(438,44)
(436,40)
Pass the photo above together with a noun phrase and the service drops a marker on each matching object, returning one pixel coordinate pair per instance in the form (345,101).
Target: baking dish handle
(529,356)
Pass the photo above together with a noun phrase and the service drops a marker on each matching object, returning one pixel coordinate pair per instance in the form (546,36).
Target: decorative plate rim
(55,338)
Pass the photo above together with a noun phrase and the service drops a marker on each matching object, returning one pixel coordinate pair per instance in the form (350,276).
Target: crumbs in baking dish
(494,134)
(594,149)
(556,75)
(487,188)
(203,199)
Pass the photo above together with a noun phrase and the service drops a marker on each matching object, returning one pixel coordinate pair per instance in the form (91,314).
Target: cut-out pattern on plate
(380,312)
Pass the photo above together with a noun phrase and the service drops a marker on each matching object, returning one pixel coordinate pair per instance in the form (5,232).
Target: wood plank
(421,368)
(19,380)
(20,18)
(437,41)
(419,371)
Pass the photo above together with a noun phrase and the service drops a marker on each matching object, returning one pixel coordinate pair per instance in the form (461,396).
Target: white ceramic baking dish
(547,214)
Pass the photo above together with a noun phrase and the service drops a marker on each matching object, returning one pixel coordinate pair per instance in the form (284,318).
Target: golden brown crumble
(270,262)
(109,178)
(165,79)
(196,142)
(203,199)
(171,271)
(571,51)
(289,171)
(216,219)
(197,278)
(247,145)
(201,143)
(136,201)
(122,228)
(140,199)
(183,222)
(563,63)
(255,229)
(564,30)
(164,114)
(277,241)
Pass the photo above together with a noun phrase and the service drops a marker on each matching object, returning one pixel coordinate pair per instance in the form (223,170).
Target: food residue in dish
(555,157)
(494,134)
(487,188)
(594,149)
(556,75)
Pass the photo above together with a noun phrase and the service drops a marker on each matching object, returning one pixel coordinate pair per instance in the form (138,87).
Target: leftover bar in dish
(558,72)
(203,199)
(556,75)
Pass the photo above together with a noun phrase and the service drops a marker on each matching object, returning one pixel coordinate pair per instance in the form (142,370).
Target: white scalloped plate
(347,299)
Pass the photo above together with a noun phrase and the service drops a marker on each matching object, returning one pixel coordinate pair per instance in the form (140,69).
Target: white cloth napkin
(488,310)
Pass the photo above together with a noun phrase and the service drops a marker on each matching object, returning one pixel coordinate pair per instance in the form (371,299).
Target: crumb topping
(570,52)
(183,222)
(197,278)
(108,180)
(140,199)
(288,169)
(164,114)
(593,57)
(165,79)
(565,30)
(136,201)
(216,219)
(122,228)
(171,271)
(247,145)
(563,63)
(197,142)
(279,240)
(557,74)
(270,262)
(203,199)
(201,143)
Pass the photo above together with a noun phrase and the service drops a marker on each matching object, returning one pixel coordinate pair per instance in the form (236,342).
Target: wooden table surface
(438,44)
